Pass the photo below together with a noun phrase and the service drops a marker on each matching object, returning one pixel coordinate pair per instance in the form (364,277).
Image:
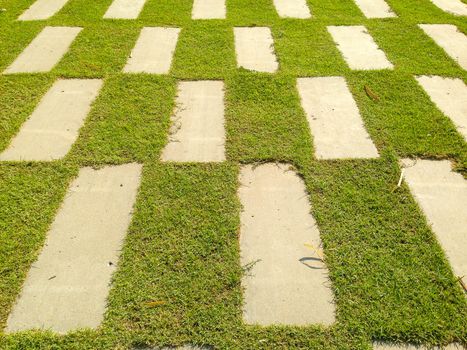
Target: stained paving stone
(67,286)
(450,39)
(358,48)
(450,95)
(375,8)
(197,133)
(154,50)
(391,346)
(54,125)
(334,119)
(208,9)
(42,9)
(287,282)
(254,47)
(455,7)
(44,52)
(292,8)
(125,9)
(442,195)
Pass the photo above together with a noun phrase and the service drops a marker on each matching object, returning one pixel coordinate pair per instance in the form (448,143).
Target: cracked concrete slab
(67,287)
(455,7)
(153,51)
(197,132)
(42,9)
(54,125)
(375,8)
(292,8)
(286,283)
(125,9)
(208,9)
(45,51)
(335,122)
(358,48)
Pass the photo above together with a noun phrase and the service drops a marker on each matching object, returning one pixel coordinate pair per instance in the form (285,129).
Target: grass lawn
(390,277)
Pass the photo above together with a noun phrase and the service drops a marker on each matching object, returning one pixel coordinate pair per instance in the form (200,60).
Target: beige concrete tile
(450,39)
(42,9)
(455,7)
(67,287)
(154,50)
(53,127)
(334,119)
(450,95)
(125,9)
(44,52)
(358,48)
(375,8)
(292,8)
(197,133)
(287,283)
(442,195)
(208,9)
(254,47)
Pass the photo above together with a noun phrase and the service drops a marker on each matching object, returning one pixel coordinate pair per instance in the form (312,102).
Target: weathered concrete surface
(455,7)
(125,9)
(42,9)
(197,133)
(67,286)
(44,52)
(358,48)
(375,8)
(154,50)
(450,39)
(254,47)
(388,346)
(208,9)
(334,119)
(292,8)
(287,282)
(442,195)
(450,95)
(54,125)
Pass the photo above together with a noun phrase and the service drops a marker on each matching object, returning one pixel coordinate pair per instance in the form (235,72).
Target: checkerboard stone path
(292,8)
(456,7)
(209,9)
(375,8)
(42,9)
(125,9)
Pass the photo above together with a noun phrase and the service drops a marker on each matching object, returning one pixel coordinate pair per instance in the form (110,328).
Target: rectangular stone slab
(358,48)
(450,39)
(197,133)
(254,47)
(53,127)
(208,9)
(292,8)
(44,52)
(286,283)
(442,195)
(153,51)
(375,8)
(42,9)
(334,119)
(455,7)
(450,95)
(125,9)
(67,287)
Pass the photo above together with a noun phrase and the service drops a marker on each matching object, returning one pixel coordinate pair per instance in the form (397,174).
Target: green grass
(390,277)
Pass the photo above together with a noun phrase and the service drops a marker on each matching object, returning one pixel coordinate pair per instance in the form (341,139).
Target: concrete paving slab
(54,125)
(442,195)
(254,47)
(390,346)
(358,48)
(154,50)
(286,283)
(42,9)
(67,287)
(334,119)
(455,7)
(450,95)
(375,8)
(125,9)
(208,9)
(450,39)
(292,8)
(197,132)
(44,52)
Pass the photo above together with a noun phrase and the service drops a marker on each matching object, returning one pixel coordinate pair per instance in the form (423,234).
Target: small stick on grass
(371,94)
